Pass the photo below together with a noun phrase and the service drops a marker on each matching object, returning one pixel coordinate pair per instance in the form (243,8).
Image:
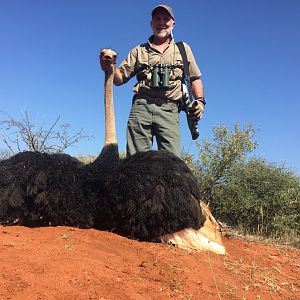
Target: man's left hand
(196,109)
(107,59)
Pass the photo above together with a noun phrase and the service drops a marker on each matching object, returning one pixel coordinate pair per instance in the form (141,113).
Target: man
(158,68)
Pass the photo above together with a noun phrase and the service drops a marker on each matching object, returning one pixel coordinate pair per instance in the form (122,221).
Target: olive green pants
(149,118)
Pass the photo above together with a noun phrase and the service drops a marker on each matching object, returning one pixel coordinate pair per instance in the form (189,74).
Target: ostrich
(150,196)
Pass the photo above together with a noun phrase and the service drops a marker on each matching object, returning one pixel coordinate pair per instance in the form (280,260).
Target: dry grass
(293,241)
(86,159)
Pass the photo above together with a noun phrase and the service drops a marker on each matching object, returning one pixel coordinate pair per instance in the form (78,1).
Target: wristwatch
(202,100)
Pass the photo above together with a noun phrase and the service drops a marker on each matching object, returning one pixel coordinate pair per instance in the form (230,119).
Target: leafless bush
(20,135)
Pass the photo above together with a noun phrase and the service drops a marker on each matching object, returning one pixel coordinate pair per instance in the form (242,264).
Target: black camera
(160,76)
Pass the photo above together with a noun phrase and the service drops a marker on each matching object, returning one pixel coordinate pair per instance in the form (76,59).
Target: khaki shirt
(140,60)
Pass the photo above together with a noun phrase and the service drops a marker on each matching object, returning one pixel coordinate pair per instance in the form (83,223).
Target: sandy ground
(71,263)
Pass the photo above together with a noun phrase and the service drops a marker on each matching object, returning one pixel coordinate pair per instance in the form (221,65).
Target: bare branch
(49,132)
(20,135)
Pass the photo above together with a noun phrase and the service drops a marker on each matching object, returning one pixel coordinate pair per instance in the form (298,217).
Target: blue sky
(248,52)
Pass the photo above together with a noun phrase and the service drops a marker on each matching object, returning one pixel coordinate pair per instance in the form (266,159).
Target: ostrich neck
(110,126)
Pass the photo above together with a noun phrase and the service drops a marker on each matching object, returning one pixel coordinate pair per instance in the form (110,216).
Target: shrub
(260,198)
(23,135)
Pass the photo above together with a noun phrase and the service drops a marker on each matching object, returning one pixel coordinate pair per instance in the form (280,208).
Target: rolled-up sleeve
(128,65)
(193,67)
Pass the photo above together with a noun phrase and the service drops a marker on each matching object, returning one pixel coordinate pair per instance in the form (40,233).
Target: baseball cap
(165,7)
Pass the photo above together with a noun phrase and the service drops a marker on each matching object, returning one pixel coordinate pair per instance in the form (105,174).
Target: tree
(21,135)
(217,157)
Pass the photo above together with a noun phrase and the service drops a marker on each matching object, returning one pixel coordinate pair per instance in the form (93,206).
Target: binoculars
(160,76)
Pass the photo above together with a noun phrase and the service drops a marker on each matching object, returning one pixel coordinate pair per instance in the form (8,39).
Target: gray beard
(168,32)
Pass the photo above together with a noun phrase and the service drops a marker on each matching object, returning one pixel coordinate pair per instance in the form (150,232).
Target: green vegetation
(260,198)
(248,194)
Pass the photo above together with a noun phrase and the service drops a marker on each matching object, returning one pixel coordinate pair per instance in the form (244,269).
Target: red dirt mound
(71,263)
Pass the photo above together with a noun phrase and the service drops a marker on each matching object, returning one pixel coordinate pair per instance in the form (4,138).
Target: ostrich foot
(207,238)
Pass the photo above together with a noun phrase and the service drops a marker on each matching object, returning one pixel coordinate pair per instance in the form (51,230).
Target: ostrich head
(107,59)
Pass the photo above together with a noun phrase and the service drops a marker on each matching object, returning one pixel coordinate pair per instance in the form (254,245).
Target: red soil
(71,263)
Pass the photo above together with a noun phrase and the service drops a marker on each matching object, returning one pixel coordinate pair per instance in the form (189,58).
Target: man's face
(162,23)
